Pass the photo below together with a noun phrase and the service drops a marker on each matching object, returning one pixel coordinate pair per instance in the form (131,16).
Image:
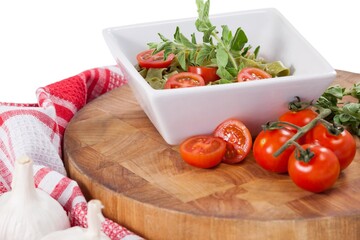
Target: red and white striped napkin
(37,129)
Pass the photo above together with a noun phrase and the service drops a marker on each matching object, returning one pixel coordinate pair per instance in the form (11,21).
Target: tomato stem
(324,112)
(301,154)
(298,105)
(333,129)
(278,125)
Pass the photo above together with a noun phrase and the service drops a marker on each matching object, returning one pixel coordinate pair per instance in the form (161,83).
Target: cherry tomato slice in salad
(343,145)
(252,73)
(183,80)
(147,60)
(267,143)
(238,138)
(203,151)
(208,73)
(317,175)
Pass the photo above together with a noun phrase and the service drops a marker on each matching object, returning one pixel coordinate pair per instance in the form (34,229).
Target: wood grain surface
(117,156)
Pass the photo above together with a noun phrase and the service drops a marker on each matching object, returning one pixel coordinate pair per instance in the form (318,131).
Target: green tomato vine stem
(300,132)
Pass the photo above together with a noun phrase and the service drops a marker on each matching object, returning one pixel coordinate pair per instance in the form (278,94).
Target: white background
(44,41)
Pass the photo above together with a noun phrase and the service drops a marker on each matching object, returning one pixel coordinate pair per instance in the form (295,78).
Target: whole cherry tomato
(317,175)
(298,118)
(238,138)
(203,151)
(148,60)
(267,143)
(183,80)
(343,145)
(208,73)
(252,73)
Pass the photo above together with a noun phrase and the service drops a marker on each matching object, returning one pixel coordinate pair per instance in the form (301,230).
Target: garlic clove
(93,232)
(27,212)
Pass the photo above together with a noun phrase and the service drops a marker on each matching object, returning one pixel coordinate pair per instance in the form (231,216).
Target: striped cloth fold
(37,129)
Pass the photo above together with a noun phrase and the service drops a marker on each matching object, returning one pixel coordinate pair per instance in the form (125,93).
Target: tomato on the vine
(148,60)
(298,118)
(267,143)
(238,138)
(183,80)
(203,151)
(208,73)
(317,175)
(343,144)
(252,73)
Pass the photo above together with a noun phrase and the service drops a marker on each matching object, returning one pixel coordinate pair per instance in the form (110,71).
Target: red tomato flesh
(207,73)
(148,60)
(252,73)
(183,80)
(203,151)
(238,138)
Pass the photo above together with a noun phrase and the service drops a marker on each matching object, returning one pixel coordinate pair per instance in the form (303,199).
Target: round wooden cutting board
(117,156)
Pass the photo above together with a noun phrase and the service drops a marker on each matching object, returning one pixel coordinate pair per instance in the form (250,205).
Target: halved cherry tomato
(147,60)
(343,145)
(267,143)
(252,73)
(238,138)
(203,151)
(208,73)
(184,79)
(317,175)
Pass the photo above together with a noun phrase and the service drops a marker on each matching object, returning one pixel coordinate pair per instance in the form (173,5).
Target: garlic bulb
(93,232)
(27,212)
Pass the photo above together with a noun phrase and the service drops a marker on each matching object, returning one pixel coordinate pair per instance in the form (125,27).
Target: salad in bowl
(218,58)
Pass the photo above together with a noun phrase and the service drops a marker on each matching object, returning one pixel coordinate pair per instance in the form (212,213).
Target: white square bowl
(180,113)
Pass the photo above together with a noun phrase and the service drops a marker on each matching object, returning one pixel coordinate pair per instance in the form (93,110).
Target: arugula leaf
(203,23)
(207,35)
(152,45)
(256,51)
(222,57)
(224,74)
(163,38)
(239,40)
(167,50)
(232,71)
(226,35)
(182,59)
(203,55)
(180,38)
(193,38)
